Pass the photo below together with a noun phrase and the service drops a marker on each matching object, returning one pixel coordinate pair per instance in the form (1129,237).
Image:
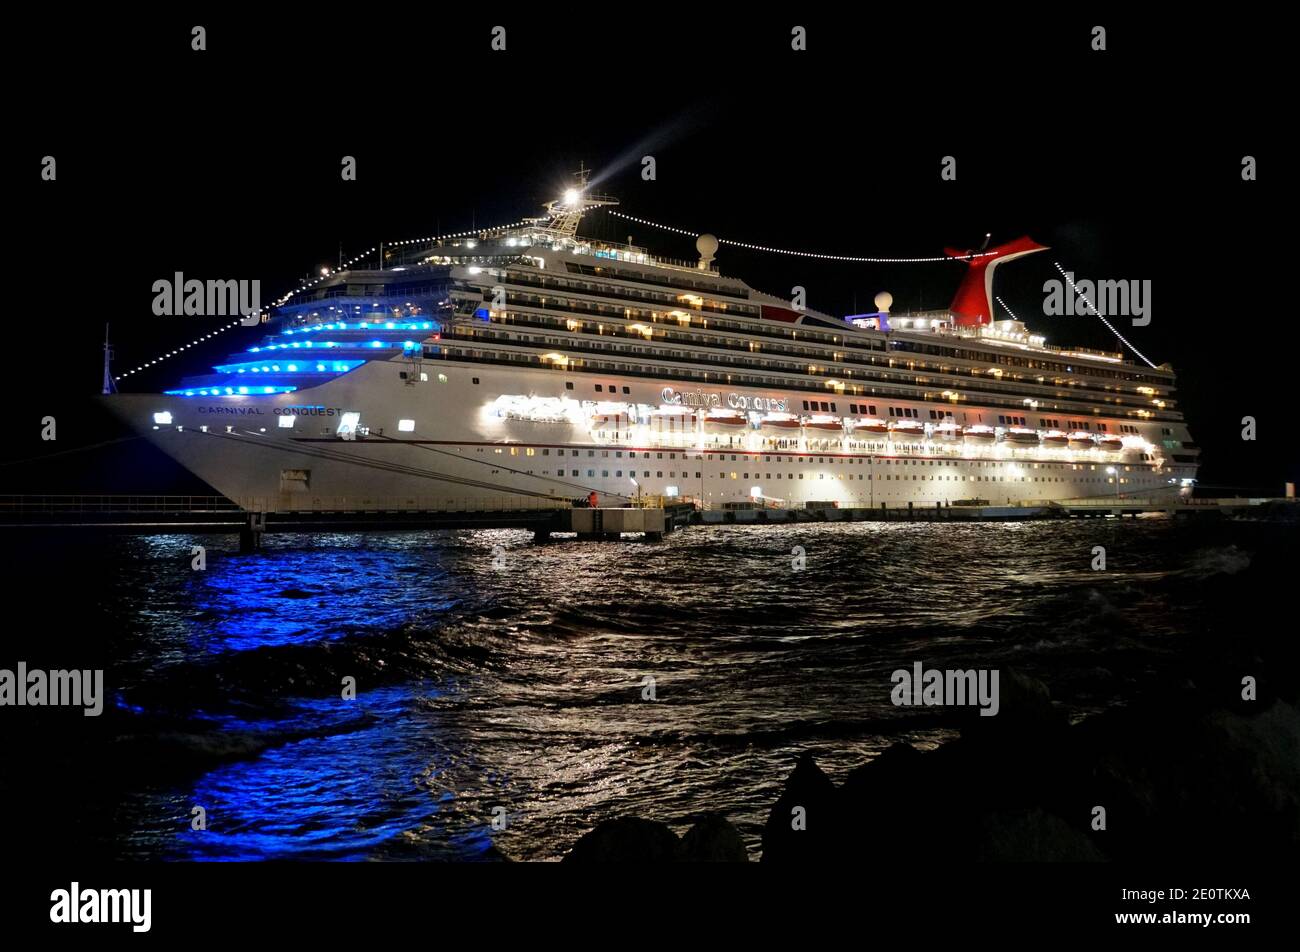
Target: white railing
(304,502)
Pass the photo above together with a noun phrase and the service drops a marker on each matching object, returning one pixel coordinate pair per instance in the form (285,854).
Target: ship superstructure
(531,362)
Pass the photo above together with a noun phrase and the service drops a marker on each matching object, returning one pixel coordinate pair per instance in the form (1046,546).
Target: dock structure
(157,515)
(982,511)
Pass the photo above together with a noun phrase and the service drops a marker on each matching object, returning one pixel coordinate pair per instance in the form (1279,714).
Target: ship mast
(109,385)
(565,213)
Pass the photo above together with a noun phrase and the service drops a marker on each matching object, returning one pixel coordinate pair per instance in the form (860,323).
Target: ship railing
(1112,500)
(304,502)
(658,501)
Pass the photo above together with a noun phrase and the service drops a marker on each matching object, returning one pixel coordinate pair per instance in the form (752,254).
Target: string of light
(195,342)
(828,257)
(307,285)
(1070,281)
(1007,309)
(861,259)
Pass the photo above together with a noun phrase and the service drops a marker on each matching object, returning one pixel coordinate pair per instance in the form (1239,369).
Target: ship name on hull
(708,401)
(276,411)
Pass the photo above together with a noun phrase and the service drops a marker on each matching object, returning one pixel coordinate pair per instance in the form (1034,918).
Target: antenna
(109,385)
(566,212)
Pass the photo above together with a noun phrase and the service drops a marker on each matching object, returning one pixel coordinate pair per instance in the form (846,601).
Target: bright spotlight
(571,196)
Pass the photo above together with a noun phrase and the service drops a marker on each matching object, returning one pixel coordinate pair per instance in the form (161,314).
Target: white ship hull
(520,437)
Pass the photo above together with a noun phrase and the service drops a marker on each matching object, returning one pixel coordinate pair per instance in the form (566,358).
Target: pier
(157,515)
(650,519)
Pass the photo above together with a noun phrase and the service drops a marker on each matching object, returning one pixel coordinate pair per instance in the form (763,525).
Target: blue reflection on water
(315,778)
(291,596)
(341,795)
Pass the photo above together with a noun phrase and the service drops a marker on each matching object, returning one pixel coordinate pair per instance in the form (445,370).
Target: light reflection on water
(520,689)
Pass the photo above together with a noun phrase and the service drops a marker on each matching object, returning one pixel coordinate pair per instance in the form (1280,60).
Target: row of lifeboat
(902,429)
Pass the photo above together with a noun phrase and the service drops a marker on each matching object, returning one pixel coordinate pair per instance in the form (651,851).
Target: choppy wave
(584,680)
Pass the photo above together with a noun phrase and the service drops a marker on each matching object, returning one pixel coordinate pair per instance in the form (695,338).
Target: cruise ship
(529,365)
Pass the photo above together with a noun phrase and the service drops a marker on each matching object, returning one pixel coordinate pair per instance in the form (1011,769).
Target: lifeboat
(725,419)
(908,430)
(947,431)
(1079,440)
(783,423)
(1021,436)
(1055,438)
(979,433)
(825,425)
(867,425)
(1111,444)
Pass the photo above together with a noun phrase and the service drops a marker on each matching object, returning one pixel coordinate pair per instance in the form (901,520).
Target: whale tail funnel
(972,306)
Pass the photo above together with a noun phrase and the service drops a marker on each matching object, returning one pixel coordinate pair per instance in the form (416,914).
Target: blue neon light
(325,343)
(230,391)
(365,325)
(257,366)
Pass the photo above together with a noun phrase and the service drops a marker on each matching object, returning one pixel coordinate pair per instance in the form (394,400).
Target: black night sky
(226,164)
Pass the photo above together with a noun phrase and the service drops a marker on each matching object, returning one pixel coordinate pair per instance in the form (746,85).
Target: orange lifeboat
(1055,438)
(1111,444)
(826,425)
(868,425)
(725,419)
(1021,436)
(783,423)
(1079,440)
(979,433)
(908,429)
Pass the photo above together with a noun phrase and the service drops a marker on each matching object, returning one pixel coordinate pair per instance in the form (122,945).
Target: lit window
(406,426)
(348,425)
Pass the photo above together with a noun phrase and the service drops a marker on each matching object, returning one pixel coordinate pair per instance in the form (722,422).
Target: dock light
(163,419)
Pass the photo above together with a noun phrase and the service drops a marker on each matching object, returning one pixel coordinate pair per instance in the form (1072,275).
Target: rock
(1024,710)
(1031,836)
(810,797)
(1195,785)
(627,840)
(713,840)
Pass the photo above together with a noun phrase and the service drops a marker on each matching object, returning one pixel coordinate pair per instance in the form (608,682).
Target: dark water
(517,686)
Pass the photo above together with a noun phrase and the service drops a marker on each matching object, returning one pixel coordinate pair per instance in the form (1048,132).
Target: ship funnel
(972,306)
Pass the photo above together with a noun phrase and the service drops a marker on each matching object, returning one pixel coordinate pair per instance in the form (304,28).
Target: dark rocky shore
(1187,773)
